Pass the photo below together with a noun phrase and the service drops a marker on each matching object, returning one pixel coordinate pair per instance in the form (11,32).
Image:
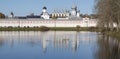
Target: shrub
(78,27)
(91,28)
(10,27)
(44,28)
(28,27)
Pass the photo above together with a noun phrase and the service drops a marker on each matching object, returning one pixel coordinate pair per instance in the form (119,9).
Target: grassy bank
(73,29)
(115,34)
(49,28)
(24,28)
(19,29)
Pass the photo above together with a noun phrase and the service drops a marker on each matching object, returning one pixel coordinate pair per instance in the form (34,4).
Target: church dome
(44,7)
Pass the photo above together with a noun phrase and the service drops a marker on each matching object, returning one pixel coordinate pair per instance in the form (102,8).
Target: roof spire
(74,5)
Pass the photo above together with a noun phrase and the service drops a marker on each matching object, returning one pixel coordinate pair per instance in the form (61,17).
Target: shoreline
(115,34)
(49,29)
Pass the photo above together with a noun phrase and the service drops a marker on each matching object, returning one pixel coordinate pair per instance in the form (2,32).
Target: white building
(60,14)
(45,14)
(73,20)
(66,13)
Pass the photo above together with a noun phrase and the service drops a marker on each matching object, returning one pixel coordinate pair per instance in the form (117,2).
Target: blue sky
(26,7)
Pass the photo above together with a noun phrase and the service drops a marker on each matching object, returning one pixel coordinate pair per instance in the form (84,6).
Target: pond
(57,45)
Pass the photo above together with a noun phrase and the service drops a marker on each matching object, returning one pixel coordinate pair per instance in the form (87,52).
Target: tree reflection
(108,48)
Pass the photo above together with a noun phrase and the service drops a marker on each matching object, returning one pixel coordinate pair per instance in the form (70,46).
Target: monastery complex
(67,18)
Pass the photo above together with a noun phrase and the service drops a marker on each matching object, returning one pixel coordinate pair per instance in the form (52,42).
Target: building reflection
(47,42)
(45,45)
(5,37)
(75,43)
(1,42)
(67,40)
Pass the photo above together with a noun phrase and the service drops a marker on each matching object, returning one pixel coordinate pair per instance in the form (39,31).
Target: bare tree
(109,13)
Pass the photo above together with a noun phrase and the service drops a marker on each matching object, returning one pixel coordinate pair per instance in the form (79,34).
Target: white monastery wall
(48,23)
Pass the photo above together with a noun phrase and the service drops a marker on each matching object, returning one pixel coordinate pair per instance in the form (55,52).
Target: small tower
(45,14)
(11,14)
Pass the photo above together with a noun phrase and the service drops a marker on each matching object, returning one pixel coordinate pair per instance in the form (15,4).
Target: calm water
(58,45)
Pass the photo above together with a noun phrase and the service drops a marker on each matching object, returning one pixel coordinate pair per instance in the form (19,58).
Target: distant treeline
(92,16)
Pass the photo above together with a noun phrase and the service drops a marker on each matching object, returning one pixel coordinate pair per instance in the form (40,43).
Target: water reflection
(1,42)
(57,45)
(109,48)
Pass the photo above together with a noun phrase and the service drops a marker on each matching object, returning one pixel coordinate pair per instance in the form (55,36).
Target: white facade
(66,13)
(78,14)
(45,16)
(48,23)
(60,14)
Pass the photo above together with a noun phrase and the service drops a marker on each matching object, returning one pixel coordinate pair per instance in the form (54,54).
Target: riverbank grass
(43,28)
(115,34)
